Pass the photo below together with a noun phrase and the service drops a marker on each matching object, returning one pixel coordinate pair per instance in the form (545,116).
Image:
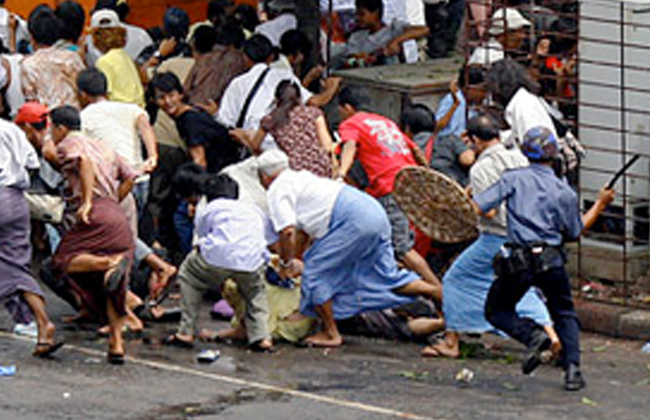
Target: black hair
(418,118)
(204,39)
(217,11)
(73,17)
(293,42)
(246,15)
(287,96)
(375,6)
(122,9)
(483,126)
(176,23)
(506,77)
(258,48)
(67,116)
(92,82)
(565,32)
(45,27)
(356,97)
(41,8)
(192,180)
(471,75)
(230,34)
(165,82)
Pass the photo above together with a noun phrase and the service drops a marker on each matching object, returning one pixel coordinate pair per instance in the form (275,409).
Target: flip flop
(44,350)
(173,340)
(115,358)
(115,276)
(256,347)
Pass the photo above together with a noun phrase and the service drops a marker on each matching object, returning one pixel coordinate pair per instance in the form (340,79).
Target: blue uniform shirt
(541,207)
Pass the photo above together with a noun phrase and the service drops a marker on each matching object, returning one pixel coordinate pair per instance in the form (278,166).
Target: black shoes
(573,380)
(541,341)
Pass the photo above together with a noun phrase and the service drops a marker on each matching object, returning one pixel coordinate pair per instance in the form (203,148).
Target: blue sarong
(467,283)
(353,264)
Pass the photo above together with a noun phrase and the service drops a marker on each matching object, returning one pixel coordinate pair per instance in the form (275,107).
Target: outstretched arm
(87,177)
(150,143)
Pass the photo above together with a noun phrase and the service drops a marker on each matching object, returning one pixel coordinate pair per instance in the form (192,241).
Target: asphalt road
(366,379)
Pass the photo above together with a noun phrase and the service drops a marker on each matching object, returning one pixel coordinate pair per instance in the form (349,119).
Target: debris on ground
(8,370)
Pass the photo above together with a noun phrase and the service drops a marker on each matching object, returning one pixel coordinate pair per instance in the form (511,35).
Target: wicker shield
(436,204)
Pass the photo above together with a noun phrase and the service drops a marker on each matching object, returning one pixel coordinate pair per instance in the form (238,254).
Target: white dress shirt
(233,235)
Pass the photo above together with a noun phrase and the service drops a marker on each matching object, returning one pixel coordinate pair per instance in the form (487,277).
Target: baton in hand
(621,171)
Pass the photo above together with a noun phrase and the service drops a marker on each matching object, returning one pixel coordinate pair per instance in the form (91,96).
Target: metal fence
(596,73)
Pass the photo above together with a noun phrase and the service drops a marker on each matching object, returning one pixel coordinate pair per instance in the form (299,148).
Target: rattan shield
(436,204)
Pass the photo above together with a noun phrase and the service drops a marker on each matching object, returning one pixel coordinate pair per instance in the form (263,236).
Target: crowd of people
(200,155)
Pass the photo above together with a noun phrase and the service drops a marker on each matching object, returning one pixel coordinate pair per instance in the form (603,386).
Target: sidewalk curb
(613,320)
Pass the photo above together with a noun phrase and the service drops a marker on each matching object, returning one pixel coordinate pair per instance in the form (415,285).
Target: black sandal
(173,340)
(44,350)
(257,347)
(115,358)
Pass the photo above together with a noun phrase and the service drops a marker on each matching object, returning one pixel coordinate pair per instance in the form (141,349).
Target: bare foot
(441,349)
(325,339)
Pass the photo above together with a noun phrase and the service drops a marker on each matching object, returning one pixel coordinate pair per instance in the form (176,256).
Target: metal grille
(604,101)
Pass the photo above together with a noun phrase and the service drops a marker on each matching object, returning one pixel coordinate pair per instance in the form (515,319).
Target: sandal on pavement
(173,340)
(115,358)
(46,349)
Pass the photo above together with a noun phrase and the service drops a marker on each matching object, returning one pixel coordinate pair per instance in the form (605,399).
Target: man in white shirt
(350,266)
(259,53)
(232,244)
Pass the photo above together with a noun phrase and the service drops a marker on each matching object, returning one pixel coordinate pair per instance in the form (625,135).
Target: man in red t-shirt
(383,150)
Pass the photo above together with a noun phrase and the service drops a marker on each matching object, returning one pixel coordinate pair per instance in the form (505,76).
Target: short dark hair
(483,126)
(375,6)
(217,10)
(258,48)
(204,38)
(471,75)
(92,82)
(45,28)
(247,16)
(165,82)
(230,33)
(73,17)
(354,96)
(293,42)
(418,118)
(67,116)
(176,23)
(192,180)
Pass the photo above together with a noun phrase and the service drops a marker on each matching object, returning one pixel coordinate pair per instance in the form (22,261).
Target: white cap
(507,18)
(105,18)
(272,161)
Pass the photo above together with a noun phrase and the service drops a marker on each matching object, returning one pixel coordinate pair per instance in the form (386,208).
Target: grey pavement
(365,379)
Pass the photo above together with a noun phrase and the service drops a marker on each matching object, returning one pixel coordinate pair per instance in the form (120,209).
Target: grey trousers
(197,276)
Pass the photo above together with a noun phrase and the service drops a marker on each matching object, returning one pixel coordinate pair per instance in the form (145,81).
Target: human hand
(211,107)
(150,164)
(167,47)
(292,269)
(332,83)
(241,135)
(393,48)
(314,73)
(83,213)
(606,196)
(453,87)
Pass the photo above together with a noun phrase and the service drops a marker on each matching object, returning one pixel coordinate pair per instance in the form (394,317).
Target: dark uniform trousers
(508,289)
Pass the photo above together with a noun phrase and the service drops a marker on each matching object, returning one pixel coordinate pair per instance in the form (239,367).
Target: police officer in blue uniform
(543,213)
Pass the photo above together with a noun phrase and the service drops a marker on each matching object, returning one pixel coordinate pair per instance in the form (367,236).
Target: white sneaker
(26,330)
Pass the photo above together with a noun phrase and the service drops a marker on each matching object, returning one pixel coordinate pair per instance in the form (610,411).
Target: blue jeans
(184,227)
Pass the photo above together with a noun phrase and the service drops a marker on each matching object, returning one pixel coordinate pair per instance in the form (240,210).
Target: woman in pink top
(299,130)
